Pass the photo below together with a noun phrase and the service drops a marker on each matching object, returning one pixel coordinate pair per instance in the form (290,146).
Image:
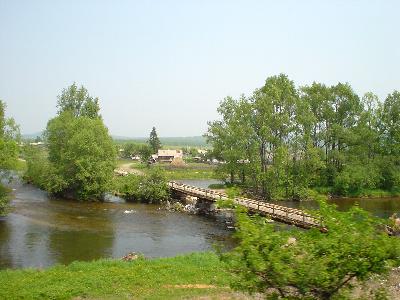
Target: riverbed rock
(131,256)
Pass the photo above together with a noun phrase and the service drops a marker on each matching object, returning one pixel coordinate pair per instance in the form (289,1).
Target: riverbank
(192,276)
(188,276)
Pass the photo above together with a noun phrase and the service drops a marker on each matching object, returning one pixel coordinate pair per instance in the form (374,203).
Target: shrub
(4,199)
(310,264)
(225,203)
(150,188)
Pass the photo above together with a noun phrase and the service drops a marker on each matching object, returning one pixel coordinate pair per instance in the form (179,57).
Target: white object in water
(129,211)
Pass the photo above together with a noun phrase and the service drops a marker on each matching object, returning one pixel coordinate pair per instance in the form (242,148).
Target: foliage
(145,152)
(38,167)
(150,188)
(163,278)
(9,135)
(130,149)
(283,141)
(154,186)
(78,102)
(225,203)
(81,154)
(154,141)
(4,198)
(310,264)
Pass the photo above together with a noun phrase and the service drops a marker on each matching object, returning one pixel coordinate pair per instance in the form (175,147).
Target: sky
(168,64)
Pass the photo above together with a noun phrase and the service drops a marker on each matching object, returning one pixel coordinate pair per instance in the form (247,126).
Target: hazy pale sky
(169,63)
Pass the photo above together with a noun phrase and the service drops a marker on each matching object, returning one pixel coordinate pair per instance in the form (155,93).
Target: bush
(225,203)
(150,188)
(36,166)
(310,264)
(4,199)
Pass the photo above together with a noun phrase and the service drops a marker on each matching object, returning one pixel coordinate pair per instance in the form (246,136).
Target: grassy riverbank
(193,275)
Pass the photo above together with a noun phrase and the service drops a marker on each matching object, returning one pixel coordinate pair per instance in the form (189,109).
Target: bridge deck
(276,212)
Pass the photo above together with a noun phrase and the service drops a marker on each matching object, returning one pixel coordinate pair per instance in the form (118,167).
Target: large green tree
(81,154)
(9,133)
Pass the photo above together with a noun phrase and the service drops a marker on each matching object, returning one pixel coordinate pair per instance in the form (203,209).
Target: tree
(233,140)
(130,149)
(9,133)
(309,264)
(274,115)
(154,141)
(314,137)
(145,152)
(81,153)
(78,102)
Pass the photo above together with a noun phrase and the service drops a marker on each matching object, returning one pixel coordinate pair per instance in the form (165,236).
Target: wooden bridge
(275,212)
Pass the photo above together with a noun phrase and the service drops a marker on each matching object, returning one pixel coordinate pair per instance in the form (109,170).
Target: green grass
(163,278)
(21,165)
(189,171)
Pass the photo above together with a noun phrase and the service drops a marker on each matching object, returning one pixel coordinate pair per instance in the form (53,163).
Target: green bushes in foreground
(309,264)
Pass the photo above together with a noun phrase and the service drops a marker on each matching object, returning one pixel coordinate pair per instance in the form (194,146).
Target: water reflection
(41,232)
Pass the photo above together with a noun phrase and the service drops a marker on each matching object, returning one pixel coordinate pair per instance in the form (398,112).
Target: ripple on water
(42,231)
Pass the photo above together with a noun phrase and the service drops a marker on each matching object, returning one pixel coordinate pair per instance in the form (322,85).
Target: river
(41,232)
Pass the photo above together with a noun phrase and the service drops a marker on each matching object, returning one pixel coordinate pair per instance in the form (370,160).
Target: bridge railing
(282,212)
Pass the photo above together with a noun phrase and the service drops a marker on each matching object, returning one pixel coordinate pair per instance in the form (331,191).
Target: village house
(168,155)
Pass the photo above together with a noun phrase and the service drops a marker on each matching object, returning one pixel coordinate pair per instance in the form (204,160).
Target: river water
(40,232)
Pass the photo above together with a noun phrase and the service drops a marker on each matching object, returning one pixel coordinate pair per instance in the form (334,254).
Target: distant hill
(191,141)
(31,136)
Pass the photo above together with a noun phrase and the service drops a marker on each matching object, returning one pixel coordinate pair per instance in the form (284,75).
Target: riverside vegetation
(290,264)
(282,141)
(282,154)
(8,153)
(81,156)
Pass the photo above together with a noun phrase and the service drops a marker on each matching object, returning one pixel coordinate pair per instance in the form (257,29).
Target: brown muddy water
(40,232)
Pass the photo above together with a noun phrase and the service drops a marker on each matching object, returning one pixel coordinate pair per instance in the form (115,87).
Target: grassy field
(190,276)
(189,171)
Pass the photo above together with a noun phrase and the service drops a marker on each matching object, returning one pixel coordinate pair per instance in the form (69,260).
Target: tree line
(283,140)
